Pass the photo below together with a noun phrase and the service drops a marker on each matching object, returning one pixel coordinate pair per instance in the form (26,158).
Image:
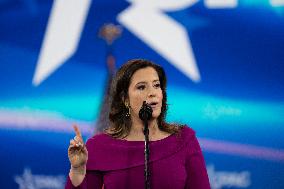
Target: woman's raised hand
(77,151)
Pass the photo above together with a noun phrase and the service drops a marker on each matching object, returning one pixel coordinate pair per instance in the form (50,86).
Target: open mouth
(153,104)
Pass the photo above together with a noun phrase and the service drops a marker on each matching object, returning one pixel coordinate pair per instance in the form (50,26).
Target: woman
(115,159)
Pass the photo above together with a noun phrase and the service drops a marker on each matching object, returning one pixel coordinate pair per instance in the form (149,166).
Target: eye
(141,87)
(157,85)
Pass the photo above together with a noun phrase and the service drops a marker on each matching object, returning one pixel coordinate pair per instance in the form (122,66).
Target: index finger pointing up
(78,133)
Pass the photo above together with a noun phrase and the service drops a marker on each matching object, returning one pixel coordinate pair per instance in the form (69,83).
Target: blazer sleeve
(92,180)
(197,177)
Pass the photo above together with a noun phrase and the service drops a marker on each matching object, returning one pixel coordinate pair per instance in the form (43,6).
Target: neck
(138,125)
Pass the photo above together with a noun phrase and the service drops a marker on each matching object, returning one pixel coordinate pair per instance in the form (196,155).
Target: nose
(152,92)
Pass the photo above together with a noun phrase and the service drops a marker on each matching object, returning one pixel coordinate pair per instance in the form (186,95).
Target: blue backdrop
(224,62)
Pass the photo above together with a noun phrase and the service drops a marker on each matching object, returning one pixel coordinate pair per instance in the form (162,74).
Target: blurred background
(224,62)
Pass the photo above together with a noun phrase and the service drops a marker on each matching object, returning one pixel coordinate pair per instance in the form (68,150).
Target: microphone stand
(145,114)
(146,153)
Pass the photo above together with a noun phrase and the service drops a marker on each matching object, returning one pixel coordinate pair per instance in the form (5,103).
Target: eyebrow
(144,82)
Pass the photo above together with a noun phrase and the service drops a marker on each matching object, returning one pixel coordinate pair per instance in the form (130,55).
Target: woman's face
(145,86)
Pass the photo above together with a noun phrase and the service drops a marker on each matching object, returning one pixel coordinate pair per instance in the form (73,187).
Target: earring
(127,115)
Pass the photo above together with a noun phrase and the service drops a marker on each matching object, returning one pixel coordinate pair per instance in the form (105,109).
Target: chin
(155,115)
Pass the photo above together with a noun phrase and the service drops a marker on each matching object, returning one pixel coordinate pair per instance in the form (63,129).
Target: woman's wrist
(77,175)
(78,170)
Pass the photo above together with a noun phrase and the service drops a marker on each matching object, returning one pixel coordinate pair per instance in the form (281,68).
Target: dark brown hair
(120,124)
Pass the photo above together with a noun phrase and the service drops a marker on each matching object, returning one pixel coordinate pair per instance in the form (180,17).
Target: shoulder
(188,137)
(98,139)
(187,132)
(181,131)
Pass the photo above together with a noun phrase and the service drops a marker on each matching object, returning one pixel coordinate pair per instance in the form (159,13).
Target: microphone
(145,112)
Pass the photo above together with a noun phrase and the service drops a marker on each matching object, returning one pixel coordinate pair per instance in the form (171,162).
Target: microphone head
(145,112)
